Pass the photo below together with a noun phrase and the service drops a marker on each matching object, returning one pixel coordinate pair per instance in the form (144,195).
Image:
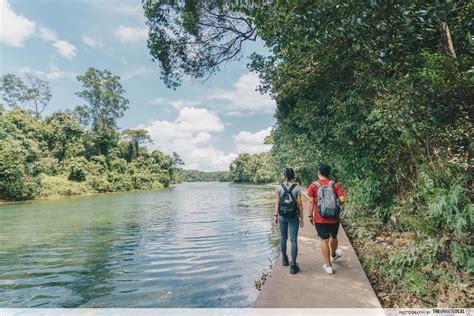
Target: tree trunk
(447,41)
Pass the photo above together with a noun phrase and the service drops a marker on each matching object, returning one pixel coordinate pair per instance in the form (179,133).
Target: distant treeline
(203,176)
(252,168)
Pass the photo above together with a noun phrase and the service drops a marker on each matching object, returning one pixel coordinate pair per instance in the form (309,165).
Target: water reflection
(194,245)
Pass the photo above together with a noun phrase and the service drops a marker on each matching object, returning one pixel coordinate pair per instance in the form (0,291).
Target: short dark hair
(289,174)
(324,170)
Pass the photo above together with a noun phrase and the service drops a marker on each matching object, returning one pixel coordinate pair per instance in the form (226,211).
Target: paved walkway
(348,287)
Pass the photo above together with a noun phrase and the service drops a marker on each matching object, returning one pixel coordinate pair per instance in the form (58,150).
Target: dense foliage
(380,90)
(256,168)
(58,156)
(203,176)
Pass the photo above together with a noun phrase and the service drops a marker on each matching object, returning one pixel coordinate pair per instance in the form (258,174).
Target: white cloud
(91,42)
(14,29)
(52,73)
(252,143)
(157,101)
(177,104)
(131,34)
(180,104)
(47,34)
(140,71)
(64,48)
(190,136)
(244,99)
(120,7)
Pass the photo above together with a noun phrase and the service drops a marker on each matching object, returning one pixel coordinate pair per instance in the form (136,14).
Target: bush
(120,181)
(77,169)
(143,181)
(50,165)
(118,165)
(18,169)
(99,183)
(59,185)
(97,165)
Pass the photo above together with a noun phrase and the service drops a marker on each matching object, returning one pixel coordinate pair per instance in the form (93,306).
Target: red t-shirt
(313,192)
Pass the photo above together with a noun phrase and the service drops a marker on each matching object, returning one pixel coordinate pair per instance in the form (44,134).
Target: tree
(136,138)
(12,90)
(20,155)
(177,161)
(380,90)
(38,94)
(15,93)
(64,136)
(105,104)
(195,37)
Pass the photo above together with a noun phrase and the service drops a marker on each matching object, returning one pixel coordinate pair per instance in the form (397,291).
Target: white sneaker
(328,269)
(337,256)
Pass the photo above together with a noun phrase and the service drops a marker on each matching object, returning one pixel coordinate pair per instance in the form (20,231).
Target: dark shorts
(326,230)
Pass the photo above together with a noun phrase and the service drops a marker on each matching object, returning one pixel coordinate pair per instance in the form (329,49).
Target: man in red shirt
(327,227)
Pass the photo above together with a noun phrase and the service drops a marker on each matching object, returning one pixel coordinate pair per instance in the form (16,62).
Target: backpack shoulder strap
(316,183)
(331,183)
(285,189)
(292,187)
(290,191)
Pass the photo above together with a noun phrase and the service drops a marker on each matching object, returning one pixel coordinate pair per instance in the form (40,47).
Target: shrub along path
(348,287)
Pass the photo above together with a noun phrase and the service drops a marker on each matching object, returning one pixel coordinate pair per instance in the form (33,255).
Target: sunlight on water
(193,245)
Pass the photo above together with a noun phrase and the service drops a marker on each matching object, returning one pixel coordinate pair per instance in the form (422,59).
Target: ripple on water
(193,245)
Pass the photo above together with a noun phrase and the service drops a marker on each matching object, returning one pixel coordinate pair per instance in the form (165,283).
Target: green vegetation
(57,156)
(254,168)
(382,91)
(203,176)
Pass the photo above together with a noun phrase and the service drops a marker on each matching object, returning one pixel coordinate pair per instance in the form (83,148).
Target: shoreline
(61,197)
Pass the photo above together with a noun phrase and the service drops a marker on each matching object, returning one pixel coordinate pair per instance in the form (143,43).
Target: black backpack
(288,207)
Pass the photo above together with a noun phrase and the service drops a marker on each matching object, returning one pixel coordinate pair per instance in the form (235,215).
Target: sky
(207,123)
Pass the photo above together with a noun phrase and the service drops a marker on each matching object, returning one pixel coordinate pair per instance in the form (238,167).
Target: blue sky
(207,123)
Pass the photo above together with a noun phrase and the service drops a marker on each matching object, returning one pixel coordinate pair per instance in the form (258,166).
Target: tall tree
(35,94)
(105,104)
(12,90)
(177,161)
(136,137)
(38,95)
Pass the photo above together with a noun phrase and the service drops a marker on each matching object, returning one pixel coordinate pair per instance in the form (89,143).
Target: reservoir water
(191,245)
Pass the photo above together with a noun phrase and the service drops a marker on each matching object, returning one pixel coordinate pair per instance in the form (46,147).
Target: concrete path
(348,287)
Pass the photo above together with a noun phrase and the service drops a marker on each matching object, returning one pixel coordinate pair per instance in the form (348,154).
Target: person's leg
(294,226)
(333,245)
(323,233)
(325,251)
(333,229)
(283,223)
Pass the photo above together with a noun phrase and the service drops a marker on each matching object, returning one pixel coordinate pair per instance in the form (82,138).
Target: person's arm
(275,212)
(311,208)
(311,204)
(340,193)
(341,200)
(301,208)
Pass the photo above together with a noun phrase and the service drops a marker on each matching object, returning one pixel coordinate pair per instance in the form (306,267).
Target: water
(193,245)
